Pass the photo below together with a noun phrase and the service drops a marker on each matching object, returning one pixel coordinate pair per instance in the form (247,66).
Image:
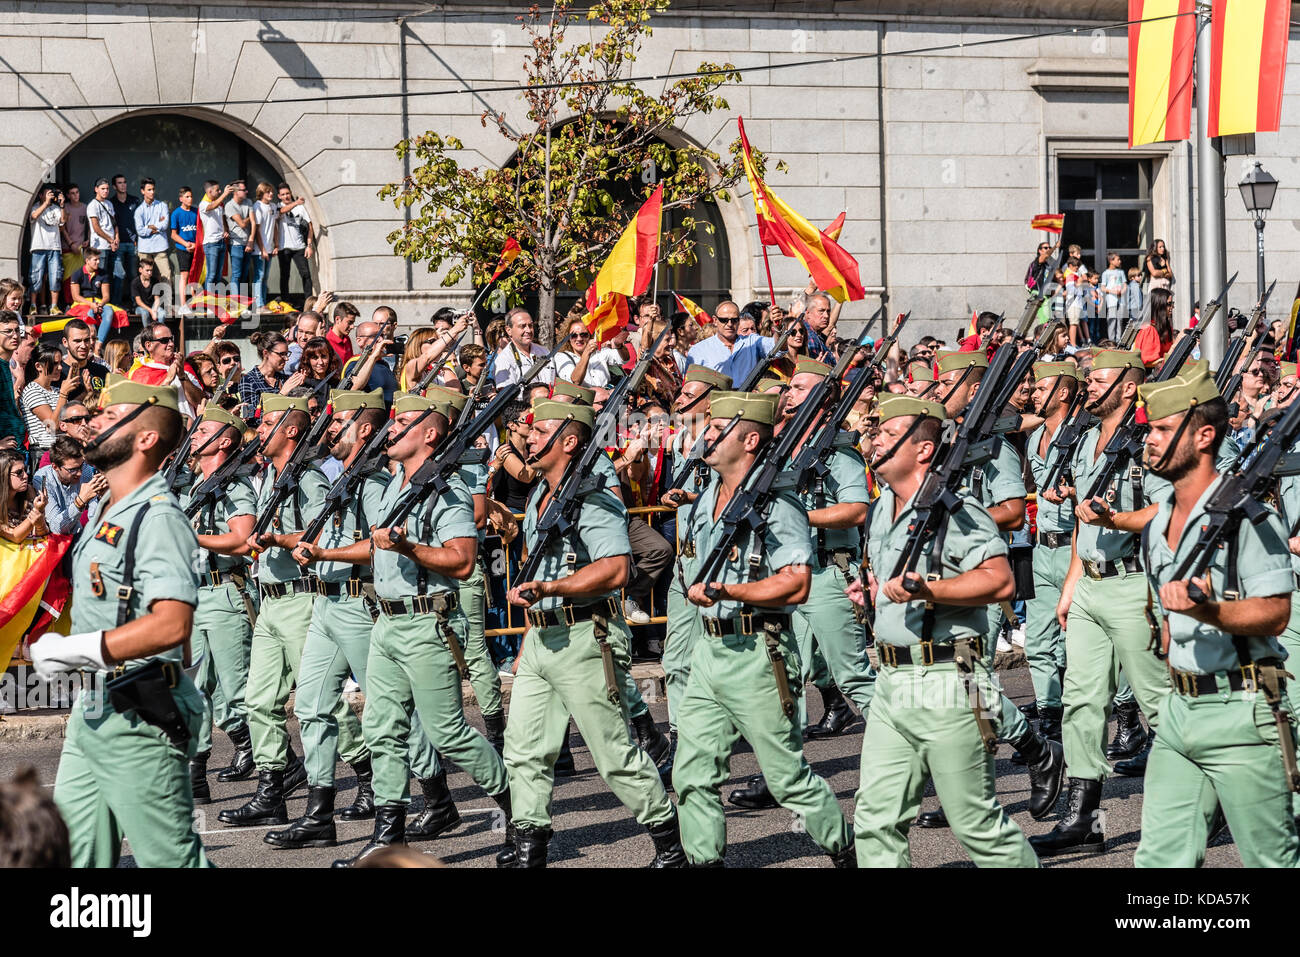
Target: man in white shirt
(294,240)
(514,358)
(46,272)
(103,227)
(152,221)
(599,359)
(212,226)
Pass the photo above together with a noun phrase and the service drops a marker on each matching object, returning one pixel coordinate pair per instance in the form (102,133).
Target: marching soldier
(282,622)
(416,659)
(745,667)
(932,672)
(223,627)
(1105,606)
(1056,386)
(1221,728)
(576,655)
(827,622)
(124,768)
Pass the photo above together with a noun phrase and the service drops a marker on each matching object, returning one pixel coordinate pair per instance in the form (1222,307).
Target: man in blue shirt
(726,351)
(185,227)
(381,376)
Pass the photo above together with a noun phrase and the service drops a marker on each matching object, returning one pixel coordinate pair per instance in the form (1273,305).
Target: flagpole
(1211,231)
(771,291)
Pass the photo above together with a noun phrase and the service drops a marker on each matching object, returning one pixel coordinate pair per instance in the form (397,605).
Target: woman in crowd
(320,363)
(796,348)
(22,508)
(268,375)
(1156,338)
(42,398)
(1258,394)
(117,356)
(663,378)
(1159,271)
(511,479)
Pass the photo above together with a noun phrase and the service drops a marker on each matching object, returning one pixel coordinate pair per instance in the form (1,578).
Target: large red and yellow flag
(34,589)
(837,226)
(630,267)
(608,318)
(831,267)
(1247,65)
(1161,51)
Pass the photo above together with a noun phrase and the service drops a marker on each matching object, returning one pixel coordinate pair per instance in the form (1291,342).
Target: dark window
(1107,207)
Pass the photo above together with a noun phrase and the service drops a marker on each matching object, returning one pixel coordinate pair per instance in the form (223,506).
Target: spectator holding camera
(46,272)
(212,219)
(294,242)
(69,485)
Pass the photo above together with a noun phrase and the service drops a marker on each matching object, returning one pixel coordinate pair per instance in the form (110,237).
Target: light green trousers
(921,726)
(684,629)
(1011,723)
(1044,641)
(1290,639)
(1106,628)
(410,671)
(120,777)
(826,622)
(1225,749)
(483,676)
(223,636)
(732,692)
(278,638)
(561,674)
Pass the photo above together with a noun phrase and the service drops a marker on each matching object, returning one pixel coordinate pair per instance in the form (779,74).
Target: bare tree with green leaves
(590,134)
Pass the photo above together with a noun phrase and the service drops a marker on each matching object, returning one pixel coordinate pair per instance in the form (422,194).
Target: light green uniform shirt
(342,532)
(972,539)
(844,483)
(165,552)
(999,480)
(237,498)
(1263,568)
(435,523)
(1289,506)
(475,478)
(1051,518)
(600,532)
(1092,542)
(786,540)
(276,565)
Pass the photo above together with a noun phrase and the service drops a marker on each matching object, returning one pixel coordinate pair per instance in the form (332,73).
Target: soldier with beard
(124,768)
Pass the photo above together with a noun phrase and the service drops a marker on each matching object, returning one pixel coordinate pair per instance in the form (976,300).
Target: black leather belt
(1052,539)
(351,587)
(295,587)
(417,604)
(1110,569)
(926,653)
(214,578)
(746,623)
(1242,678)
(572,614)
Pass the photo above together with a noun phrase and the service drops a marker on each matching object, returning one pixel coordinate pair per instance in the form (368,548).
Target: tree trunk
(545,298)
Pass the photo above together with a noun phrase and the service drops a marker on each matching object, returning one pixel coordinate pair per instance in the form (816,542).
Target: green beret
(1288,368)
(751,406)
(405,402)
(812,367)
(770,382)
(1045,370)
(547,409)
(1118,359)
(893,405)
(356,401)
(579,393)
(457,400)
(275,402)
(699,373)
(214,414)
(1163,399)
(958,361)
(919,370)
(122,391)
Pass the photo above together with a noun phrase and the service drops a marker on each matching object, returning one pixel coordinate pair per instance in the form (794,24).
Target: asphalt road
(592,829)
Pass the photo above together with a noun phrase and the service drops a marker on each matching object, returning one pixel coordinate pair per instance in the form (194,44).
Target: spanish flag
(1161,51)
(608,318)
(34,588)
(1048,222)
(836,227)
(630,267)
(691,309)
(508,255)
(831,267)
(1247,65)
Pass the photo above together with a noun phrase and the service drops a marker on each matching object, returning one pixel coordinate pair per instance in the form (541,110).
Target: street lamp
(1257,191)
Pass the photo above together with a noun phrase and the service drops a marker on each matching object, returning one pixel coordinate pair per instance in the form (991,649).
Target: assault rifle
(1228,381)
(173,474)
(348,485)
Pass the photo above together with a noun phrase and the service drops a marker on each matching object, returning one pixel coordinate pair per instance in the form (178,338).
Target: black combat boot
(650,739)
(362,807)
(668,845)
(754,795)
(439,814)
(1130,737)
(717,862)
(931,819)
(1049,724)
(666,769)
(1136,766)
(531,844)
(315,828)
(1081,831)
(241,765)
(847,859)
(495,724)
(199,777)
(508,853)
(1030,711)
(265,807)
(390,829)
(836,719)
(295,772)
(564,766)
(1045,761)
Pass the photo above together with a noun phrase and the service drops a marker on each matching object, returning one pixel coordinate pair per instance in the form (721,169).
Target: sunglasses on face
(729,320)
(78,419)
(281,355)
(164,340)
(229,361)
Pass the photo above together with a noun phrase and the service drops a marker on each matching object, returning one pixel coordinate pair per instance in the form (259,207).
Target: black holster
(147,691)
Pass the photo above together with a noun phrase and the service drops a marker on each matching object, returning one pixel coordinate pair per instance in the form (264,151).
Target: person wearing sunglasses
(268,375)
(71,485)
(727,351)
(585,362)
(161,365)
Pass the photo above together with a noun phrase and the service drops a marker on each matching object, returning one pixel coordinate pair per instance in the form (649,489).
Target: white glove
(53,653)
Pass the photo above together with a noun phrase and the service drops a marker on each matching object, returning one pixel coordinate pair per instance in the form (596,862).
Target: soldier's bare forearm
(167,624)
(599,578)
(843,515)
(789,586)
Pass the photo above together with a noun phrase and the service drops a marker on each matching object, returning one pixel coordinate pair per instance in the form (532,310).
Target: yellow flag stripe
(1243,29)
(1151,78)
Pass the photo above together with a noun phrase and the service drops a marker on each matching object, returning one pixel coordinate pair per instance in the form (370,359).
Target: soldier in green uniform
(828,622)
(577,646)
(684,628)
(416,660)
(124,768)
(1288,507)
(748,641)
(932,674)
(223,627)
(1055,388)
(1219,736)
(281,630)
(1105,606)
